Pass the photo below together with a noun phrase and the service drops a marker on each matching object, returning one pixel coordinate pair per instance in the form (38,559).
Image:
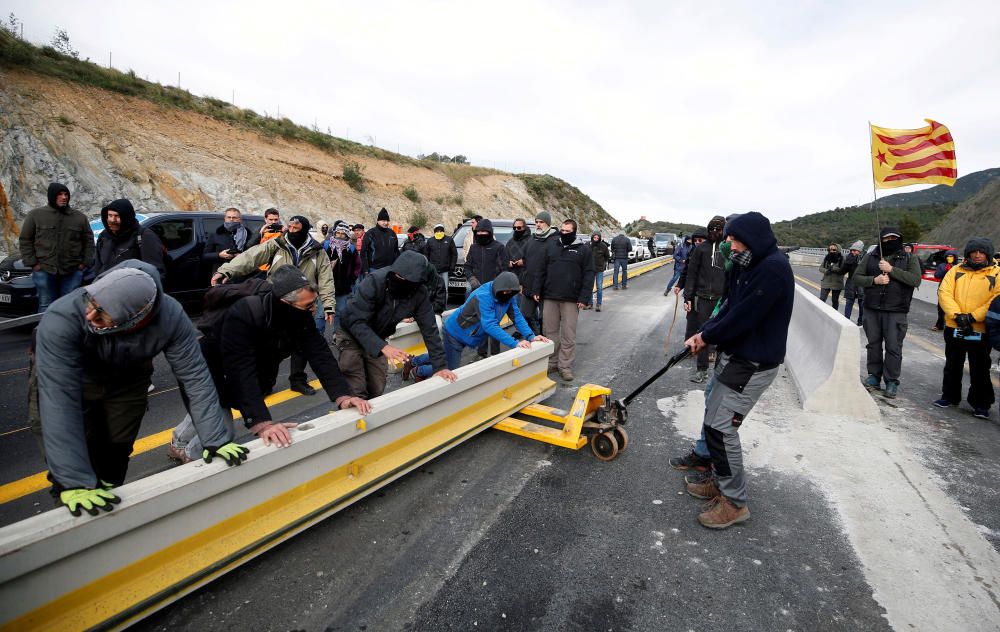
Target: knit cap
(383,215)
(545,216)
(126,295)
(287,278)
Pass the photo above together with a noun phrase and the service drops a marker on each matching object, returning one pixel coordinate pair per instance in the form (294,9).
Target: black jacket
(372,314)
(620,247)
(253,340)
(535,259)
(418,243)
(705,273)
(896,296)
(484,263)
(602,254)
(567,272)
(517,250)
(379,249)
(442,253)
(344,271)
(219,241)
(131,242)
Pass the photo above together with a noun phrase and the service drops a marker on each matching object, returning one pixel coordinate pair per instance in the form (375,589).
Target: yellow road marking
(807,282)
(37,482)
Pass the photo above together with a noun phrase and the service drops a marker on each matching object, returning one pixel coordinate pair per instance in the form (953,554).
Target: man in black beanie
(380,247)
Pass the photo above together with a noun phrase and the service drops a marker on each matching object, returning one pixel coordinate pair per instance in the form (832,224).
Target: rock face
(978,216)
(104,145)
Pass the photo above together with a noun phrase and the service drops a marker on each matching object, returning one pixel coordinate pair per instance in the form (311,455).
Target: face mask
(324,230)
(231,226)
(439,235)
(567,238)
(519,233)
(595,239)
(504,297)
(297,238)
(400,288)
(950,259)
(742,258)
(891,247)
(484,240)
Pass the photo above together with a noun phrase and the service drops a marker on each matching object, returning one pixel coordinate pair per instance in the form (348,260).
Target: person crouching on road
(965,294)
(384,299)
(476,320)
(750,332)
(94,358)
(244,349)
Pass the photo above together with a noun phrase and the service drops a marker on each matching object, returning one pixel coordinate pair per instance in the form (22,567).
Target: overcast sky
(676,111)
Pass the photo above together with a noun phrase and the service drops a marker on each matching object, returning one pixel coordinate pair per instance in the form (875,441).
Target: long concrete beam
(180,529)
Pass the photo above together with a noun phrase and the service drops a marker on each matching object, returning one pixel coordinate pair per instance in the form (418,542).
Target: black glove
(963,322)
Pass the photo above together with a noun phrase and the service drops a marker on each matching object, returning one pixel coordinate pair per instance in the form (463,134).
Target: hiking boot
(301,387)
(697,477)
(566,375)
(723,514)
(598,308)
(407,369)
(943,403)
(552,369)
(705,490)
(178,454)
(891,388)
(872,383)
(982,413)
(699,377)
(690,461)
(666,292)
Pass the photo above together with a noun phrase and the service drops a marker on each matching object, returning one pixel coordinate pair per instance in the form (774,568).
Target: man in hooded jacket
(704,284)
(950,259)
(296,247)
(965,294)
(680,261)
(123,238)
(833,275)
(384,299)
(601,251)
(750,332)
(57,244)
(486,259)
(379,248)
(94,357)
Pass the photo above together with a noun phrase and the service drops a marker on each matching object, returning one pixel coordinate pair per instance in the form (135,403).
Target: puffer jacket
(942,268)
(601,251)
(67,355)
(965,290)
(620,247)
(59,240)
(311,259)
(484,263)
(481,314)
(833,270)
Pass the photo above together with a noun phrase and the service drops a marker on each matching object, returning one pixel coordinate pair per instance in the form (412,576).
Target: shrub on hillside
(418,219)
(410,192)
(353,175)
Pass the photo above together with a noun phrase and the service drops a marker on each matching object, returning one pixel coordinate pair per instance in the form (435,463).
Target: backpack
(219,298)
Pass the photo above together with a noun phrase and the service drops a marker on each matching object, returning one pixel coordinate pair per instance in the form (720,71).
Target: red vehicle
(930,256)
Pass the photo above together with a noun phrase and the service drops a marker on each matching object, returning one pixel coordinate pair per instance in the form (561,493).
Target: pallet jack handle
(673,361)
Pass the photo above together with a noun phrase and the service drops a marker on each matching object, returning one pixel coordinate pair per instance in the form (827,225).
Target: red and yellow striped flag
(901,157)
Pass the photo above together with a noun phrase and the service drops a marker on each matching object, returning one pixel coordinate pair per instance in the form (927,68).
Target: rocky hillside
(979,216)
(104,144)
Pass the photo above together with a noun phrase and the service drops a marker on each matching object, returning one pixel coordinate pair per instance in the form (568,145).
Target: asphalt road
(506,534)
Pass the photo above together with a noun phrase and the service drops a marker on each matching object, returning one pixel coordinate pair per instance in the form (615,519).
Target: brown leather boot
(705,490)
(723,514)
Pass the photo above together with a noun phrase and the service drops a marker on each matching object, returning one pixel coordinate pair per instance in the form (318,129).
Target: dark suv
(183,235)
(503,230)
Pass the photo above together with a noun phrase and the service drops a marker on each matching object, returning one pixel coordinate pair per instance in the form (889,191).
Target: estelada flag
(901,157)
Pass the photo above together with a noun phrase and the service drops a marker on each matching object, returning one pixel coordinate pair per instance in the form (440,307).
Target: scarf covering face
(742,258)
(239,232)
(339,245)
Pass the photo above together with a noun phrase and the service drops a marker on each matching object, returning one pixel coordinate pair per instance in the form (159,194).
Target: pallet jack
(593,414)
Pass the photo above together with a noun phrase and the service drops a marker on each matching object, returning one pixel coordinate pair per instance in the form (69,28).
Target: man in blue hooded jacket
(750,333)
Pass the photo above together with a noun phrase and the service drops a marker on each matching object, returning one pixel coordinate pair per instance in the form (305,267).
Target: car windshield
(500,233)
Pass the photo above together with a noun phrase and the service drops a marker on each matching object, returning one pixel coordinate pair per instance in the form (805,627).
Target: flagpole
(871,150)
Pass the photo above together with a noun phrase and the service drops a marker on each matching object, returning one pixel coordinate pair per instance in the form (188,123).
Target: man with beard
(888,276)
(229,240)
(704,283)
(384,299)
(486,259)
(123,239)
(379,248)
(601,252)
(57,244)
(297,248)
(534,259)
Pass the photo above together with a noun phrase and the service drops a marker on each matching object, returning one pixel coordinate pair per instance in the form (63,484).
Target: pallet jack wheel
(604,446)
(621,436)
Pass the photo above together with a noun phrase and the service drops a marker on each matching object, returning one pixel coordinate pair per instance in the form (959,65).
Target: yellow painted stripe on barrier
(127,595)
(37,482)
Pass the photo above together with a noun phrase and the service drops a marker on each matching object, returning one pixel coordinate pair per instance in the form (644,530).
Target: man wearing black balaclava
(888,276)
(57,244)
(704,284)
(486,259)
(380,247)
(384,298)
(123,239)
(297,248)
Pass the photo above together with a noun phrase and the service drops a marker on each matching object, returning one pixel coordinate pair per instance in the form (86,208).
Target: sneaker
(690,461)
(666,292)
(699,377)
(178,454)
(705,490)
(723,514)
(982,413)
(891,388)
(598,308)
(301,387)
(873,383)
(943,403)
(407,369)
(566,375)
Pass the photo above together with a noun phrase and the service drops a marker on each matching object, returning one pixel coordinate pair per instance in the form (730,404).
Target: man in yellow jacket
(965,294)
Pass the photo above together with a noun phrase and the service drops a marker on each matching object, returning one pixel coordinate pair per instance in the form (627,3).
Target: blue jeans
(340,307)
(452,355)
(623,264)
(677,274)
(599,282)
(849,307)
(320,317)
(53,286)
(701,445)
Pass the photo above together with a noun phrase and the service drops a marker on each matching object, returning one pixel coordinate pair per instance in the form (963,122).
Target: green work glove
(231,453)
(89,499)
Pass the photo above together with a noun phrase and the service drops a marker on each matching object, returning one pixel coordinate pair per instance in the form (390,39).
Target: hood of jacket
(125,210)
(836,248)
(506,282)
(484,225)
(979,243)
(55,189)
(410,265)
(754,230)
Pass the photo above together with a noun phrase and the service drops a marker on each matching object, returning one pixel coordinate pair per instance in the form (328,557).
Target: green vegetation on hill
(645,228)
(846,225)
(566,201)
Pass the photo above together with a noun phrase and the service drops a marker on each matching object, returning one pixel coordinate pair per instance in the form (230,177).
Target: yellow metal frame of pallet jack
(589,398)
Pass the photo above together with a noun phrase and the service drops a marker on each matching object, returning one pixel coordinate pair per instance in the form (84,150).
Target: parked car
(640,252)
(183,235)
(503,230)
(930,255)
(665,243)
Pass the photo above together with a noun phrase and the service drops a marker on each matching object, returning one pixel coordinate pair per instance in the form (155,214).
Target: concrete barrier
(927,291)
(822,357)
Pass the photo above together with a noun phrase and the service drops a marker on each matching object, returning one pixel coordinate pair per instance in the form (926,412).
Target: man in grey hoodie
(94,359)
